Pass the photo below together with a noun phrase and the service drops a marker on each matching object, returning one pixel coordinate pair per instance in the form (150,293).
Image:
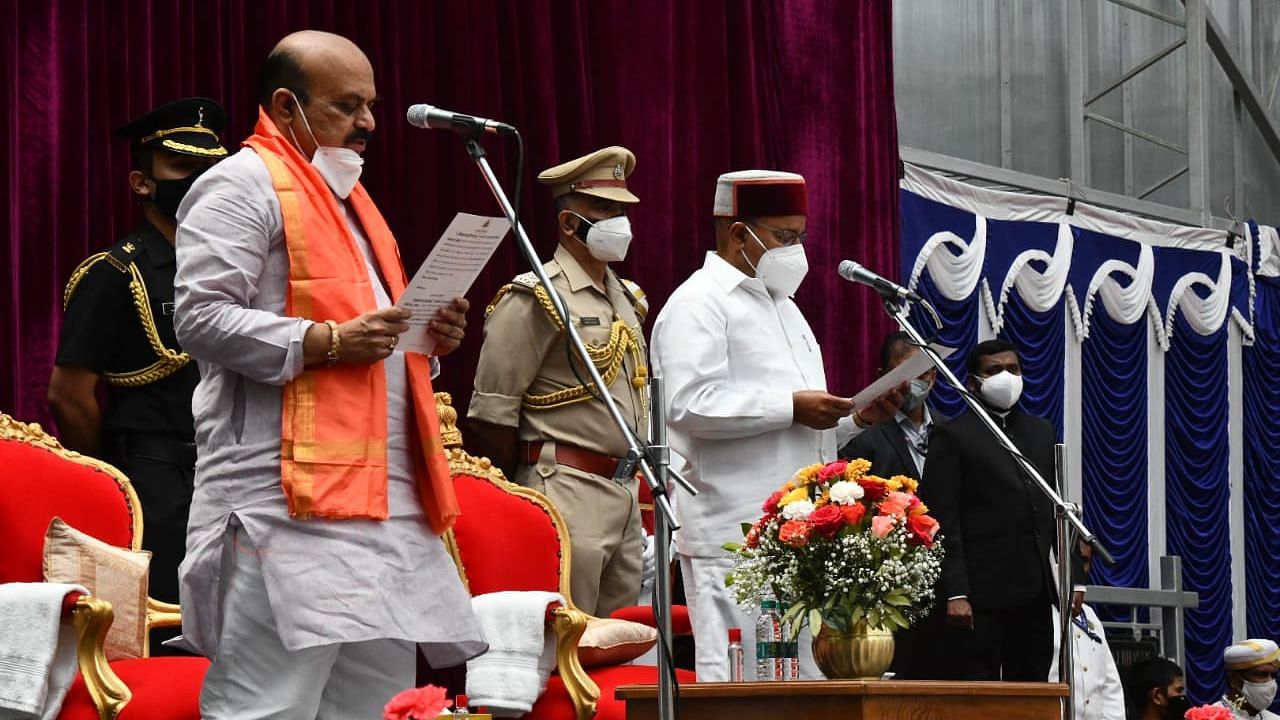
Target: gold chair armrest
(569,624)
(162,614)
(92,618)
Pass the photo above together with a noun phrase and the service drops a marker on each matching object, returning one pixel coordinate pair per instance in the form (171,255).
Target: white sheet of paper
(904,373)
(448,272)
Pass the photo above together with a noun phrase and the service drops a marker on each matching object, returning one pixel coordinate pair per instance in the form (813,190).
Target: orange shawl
(333,451)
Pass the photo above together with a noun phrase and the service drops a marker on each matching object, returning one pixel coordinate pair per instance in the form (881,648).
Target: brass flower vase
(863,653)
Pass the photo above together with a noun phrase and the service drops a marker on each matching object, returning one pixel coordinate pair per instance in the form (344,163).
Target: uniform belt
(575,457)
(160,448)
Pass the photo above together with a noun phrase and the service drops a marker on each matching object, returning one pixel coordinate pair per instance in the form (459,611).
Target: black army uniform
(118,323)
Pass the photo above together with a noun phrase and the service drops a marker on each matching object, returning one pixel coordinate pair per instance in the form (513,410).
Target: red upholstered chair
(39,479)
(512,538)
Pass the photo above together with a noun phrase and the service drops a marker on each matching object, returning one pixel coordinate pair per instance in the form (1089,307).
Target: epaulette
(123,254)
(524,282)
(637,297)
(81,270)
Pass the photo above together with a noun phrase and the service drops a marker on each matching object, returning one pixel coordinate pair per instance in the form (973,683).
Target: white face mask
(781,269)
(1259,695)
(339,166)
(1001,390)
(916,395)
(607,240)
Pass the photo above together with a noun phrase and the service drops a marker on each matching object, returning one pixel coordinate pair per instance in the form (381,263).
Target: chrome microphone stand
(651,459)
(1066,514)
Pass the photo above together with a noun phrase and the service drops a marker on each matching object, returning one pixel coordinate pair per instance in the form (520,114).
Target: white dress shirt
(1096,691)
(917,438)
(328,581)
(731,355)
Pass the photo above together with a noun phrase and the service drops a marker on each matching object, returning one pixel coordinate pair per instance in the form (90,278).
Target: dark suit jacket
(997,526)
(885,446)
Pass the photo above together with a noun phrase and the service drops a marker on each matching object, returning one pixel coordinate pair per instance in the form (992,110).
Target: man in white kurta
(746,394)
(302,618)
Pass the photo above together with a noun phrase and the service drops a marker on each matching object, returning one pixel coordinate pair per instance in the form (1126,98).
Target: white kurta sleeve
(224,235)
(691,349)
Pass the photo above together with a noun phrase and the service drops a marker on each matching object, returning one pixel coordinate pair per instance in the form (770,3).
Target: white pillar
(1235,463)
(1155,457)
(1072,433)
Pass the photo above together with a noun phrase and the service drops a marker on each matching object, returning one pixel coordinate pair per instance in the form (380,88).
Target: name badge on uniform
(589,321)
(167,308)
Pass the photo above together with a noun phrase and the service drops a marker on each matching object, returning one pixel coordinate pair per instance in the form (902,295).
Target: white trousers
(713,610)
(254,676)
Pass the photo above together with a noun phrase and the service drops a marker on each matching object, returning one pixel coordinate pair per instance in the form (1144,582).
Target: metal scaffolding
(1199,37)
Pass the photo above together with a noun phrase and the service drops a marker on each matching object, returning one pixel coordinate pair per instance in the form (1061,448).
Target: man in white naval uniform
(1096,690)
(746,392)
(305,614)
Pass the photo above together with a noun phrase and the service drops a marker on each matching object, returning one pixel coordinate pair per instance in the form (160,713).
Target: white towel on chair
(37,650)
(509,677)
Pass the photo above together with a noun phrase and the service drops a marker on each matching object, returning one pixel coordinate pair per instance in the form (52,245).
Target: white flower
(798,510)
(846,493)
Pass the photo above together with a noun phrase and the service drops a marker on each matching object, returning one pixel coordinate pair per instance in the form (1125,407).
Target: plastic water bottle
(768,640)
(790,652)
(735,655)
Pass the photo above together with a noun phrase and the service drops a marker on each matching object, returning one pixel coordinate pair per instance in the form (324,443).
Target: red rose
(853,514)
(770,506)
(827,520)
(795,533)
(923,528)
(753,536)
(832,470)
(874,489)
(424,703)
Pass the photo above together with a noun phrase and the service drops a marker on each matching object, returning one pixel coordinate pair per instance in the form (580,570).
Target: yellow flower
(894,483)
(904,481)
(808,474)
(788,486)
(799,493)
(856,468)
(826,498)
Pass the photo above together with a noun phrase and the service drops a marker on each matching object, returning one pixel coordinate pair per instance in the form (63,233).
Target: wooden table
(855,700)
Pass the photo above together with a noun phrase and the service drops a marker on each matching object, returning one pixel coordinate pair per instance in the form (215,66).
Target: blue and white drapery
(1154,350)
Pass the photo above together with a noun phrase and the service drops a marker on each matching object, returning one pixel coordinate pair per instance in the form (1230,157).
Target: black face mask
(1177,707)
(169,193)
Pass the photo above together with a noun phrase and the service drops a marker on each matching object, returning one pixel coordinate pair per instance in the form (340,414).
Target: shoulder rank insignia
(121,257)
(638,299)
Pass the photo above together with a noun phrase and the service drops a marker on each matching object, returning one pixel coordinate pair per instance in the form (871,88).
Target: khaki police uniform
(529,378)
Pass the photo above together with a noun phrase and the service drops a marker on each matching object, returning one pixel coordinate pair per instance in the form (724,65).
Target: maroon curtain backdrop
(694,88)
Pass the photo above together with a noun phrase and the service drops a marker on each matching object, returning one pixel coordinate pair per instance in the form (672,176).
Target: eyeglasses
(786,237)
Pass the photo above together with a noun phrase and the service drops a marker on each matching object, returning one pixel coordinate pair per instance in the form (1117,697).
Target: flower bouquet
(845,548)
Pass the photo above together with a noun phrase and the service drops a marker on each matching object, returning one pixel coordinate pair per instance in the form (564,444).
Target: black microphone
(853,272)
(429,117)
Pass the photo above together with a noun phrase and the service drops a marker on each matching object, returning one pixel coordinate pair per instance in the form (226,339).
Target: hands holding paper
(373,336)
(448,327)
(821,410)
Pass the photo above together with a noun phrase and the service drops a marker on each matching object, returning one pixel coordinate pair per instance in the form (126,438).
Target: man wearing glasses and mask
(899,447)
(746,392)
(118,327)
(532,412)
